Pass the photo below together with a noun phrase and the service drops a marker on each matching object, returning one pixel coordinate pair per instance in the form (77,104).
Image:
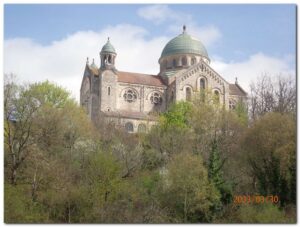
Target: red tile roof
(138,78)
(235,89)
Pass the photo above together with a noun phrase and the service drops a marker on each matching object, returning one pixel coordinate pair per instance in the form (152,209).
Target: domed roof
(184,44)
(93,65)
(108,47)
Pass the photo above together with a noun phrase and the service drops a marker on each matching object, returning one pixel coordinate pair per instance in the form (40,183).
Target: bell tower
(108,56)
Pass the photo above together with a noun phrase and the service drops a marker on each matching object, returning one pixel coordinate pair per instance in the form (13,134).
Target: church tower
(108,78)
(107,56)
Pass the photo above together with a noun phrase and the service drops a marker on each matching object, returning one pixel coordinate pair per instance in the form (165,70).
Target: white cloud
(248,70)
(64,60)
(208,34)
(156,13)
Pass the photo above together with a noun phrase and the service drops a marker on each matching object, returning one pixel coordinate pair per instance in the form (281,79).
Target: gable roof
(235,89)
(138,78)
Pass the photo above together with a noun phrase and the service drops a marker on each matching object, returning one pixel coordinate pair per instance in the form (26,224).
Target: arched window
(216,97)
(202,89)
(108,90)
(130,95)
(193,61)
(188,94)
(129,127)
(232,104)
(184,61)
(202,84)
(156,98)
(142,128)
(109,59)
(174,63)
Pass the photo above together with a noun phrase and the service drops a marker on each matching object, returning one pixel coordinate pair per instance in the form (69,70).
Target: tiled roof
(235,89)
(94,70)
(130,114)
(138,78)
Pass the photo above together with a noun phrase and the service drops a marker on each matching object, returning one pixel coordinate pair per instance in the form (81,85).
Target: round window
(130,95)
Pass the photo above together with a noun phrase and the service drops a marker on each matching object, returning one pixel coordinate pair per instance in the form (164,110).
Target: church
(134,100)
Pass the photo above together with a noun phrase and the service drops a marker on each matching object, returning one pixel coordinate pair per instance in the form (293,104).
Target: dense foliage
(61,168)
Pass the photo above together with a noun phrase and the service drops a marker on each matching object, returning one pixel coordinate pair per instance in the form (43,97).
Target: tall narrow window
(202,84)
(184,61)
(216,97)
(129,127)
(188,94)
(174,63)
(202,90)
(108,90)
(193,61)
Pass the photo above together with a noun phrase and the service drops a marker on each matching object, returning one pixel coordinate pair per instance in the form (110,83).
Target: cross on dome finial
(107,39)
(87,60)
(236,80)
(184,28)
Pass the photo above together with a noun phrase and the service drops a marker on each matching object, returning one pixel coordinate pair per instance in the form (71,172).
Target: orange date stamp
(240,199)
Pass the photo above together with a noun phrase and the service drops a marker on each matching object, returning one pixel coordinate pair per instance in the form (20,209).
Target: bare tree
(270,94)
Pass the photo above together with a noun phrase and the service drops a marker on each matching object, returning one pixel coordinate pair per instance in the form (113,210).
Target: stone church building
(132,100)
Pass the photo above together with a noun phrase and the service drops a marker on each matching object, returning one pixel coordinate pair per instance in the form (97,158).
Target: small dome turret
(108,48)
(93,65)
(108,55)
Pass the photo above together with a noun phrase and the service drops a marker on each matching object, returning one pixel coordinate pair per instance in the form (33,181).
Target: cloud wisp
(158,14)
(253,67)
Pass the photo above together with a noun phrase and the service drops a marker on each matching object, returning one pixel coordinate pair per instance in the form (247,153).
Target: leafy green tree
(271,148)
(19,110)
(177,115)
(187,193)
(242,112)
(266,213)
(49,94)
(215,165)
(168,141)
(19,207)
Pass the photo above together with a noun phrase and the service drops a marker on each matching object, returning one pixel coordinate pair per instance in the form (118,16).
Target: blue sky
(246,29)
(234,35)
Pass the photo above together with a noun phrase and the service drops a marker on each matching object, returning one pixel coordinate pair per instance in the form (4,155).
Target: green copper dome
(93,65)
(108,48)
(184,44)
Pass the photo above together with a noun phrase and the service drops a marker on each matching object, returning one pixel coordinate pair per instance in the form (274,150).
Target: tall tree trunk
(185,206)
(34,186)
(69,213)
(13,178)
